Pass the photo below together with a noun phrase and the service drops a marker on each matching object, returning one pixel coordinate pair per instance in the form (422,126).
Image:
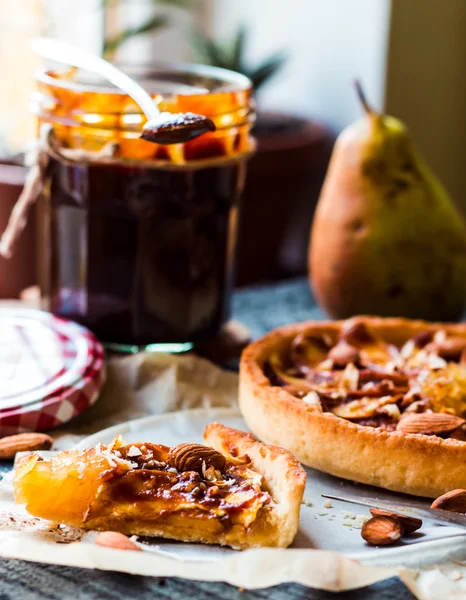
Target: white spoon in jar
(161,127)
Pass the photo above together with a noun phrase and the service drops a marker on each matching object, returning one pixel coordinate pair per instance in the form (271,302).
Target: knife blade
(439,517)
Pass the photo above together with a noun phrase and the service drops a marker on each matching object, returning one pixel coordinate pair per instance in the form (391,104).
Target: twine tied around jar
(37,159)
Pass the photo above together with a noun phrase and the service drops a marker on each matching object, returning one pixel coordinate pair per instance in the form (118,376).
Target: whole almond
(429,423)
(356,332)
(382,531)
(343,354)
(463,357)
(423,338)
(113,539)
(454,501)
(23,442)
(192,457)
(448,349)
(409,524)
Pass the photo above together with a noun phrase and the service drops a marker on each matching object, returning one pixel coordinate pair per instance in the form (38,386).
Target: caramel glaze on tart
(227,497)
(358,376)
(138,477)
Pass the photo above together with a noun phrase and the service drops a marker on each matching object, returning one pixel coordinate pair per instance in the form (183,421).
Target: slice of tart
(233,490)
(378,401)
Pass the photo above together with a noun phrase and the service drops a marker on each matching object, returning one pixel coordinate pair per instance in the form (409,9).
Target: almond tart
(233,490)
(377,401)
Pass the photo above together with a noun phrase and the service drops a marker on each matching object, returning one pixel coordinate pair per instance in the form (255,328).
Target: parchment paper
(155,384)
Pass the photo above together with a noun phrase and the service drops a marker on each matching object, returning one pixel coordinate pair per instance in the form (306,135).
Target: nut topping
(429,423)
(23,442)
(113,539)
(367,376)
(343,354)
(455,501)
(192,457)
(448,349)
(307,351)
(409,524)
(356,333)
(423,338)
(382,531)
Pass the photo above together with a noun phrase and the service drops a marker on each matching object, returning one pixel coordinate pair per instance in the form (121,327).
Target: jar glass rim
(223,80)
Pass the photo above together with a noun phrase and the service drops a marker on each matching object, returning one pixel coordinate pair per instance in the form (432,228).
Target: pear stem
(362,97)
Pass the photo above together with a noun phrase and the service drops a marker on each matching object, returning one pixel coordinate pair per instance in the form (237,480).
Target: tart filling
(190,492)
(418,387)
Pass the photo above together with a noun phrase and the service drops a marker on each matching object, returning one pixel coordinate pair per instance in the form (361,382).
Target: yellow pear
(386,237)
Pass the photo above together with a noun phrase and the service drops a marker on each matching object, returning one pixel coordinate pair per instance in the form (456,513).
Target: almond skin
(23,442)
(409,524)
(449,349)
(113,539)
(429,423)
(455,501)
(192,457)
(343,354)
(356,333)
(423,338)
(382,531)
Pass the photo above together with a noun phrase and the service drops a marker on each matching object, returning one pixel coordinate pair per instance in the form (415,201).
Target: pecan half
(429,423)
(192,457)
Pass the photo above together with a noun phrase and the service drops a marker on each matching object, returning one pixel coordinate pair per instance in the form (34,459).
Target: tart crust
(416,464)
(285,480)
(83,494)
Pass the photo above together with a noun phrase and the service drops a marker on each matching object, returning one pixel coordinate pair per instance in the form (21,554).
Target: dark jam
(142,255)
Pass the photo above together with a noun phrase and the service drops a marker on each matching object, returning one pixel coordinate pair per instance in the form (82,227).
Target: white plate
(320,527)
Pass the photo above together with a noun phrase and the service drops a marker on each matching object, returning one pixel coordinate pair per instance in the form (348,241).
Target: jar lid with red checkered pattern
(51,369)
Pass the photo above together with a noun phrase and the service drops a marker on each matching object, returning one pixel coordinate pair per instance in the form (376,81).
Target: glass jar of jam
(139,244)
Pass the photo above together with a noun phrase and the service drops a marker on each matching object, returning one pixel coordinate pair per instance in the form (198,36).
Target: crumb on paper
(348,523)
(347,515)
(323,513)
(307,502)
(359,521)
(455,575)
(328,504)
(352,520)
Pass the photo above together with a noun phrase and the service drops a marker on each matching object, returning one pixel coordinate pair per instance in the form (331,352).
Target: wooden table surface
(260,309)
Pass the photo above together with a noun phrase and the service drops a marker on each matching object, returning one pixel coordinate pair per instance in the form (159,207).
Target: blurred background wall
(426,83)
(328,44)
(409,55)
